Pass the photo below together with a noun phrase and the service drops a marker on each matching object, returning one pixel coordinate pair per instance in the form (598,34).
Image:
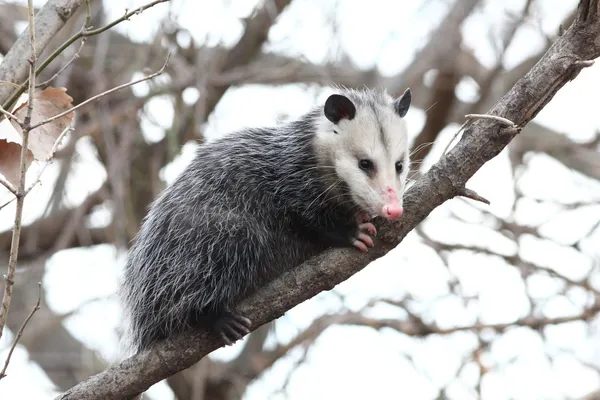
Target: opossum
(258,202)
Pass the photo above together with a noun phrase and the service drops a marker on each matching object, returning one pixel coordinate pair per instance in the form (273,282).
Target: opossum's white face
(367,142)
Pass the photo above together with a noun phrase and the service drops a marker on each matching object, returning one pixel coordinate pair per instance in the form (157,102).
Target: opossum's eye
(366,165)
(399,167)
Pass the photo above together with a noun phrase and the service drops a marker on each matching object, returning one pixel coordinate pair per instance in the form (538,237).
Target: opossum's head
(363,136)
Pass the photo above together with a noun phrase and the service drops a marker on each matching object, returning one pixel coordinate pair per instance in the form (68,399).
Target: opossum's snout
(392,209)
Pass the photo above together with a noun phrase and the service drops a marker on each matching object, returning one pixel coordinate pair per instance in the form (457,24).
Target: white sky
(354,362)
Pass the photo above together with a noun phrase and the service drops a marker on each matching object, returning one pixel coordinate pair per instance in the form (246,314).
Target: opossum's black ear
(402,104)
(338,107)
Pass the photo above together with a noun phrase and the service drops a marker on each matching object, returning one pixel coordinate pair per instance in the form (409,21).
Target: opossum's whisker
(332,186)
(420,147)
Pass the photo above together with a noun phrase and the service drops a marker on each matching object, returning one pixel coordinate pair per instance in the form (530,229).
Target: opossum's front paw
(363,217)
(232,327)
(362,241)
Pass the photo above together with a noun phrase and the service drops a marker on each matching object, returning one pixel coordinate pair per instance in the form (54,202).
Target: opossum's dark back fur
(228,224)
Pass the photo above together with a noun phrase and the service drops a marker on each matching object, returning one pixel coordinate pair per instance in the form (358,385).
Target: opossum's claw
(362,242)
(368,228)
(232,327)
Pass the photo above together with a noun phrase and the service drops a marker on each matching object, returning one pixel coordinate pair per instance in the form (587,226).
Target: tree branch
(415,327)
(83,33)
(26,129)
(482,141)
(49,20)
(107,92)
(20,331)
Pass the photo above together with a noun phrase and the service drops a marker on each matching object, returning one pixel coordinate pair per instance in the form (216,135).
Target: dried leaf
(48,103)
(10,157)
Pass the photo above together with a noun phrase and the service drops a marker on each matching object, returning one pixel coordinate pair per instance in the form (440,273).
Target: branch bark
(482,141)
(49,20)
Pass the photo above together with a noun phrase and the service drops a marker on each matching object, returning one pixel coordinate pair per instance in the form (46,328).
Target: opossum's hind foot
(362,241)
(232,327)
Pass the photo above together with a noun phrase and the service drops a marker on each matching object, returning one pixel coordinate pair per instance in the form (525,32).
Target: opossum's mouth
(390,209)
(386,213)
(392,212)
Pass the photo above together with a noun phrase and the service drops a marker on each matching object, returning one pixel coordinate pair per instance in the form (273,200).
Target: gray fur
(250,206)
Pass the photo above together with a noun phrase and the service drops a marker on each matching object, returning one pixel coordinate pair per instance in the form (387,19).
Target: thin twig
(20,196)
(86,26)
(73,39)
(10,84)
(456,135)
(11,116)
(21,330)
(7,203)
(496,118)
(88,14)
(96,97)
(471,194)
(8,185)
(470,117)
(60,71)
(423,329)
(584,63)
(54,147)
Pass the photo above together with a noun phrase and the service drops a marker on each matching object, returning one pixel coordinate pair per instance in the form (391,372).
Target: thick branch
(482,141)
(49,20)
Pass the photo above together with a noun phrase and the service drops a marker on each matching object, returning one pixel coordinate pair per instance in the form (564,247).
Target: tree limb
(20,196)
(482,141)
(416,327)
(49,20)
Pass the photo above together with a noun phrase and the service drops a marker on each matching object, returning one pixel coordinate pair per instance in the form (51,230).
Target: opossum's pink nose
(392,211)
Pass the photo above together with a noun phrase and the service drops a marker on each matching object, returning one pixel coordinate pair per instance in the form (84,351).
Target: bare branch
(584,63)
(52,152)
(20,196)
(60,71)
(421,329)
(82,33)
(96,97)
(51,18)
(7,185)
(503,121)
(21,330)
(462,127)
(11,116)
(471,194)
